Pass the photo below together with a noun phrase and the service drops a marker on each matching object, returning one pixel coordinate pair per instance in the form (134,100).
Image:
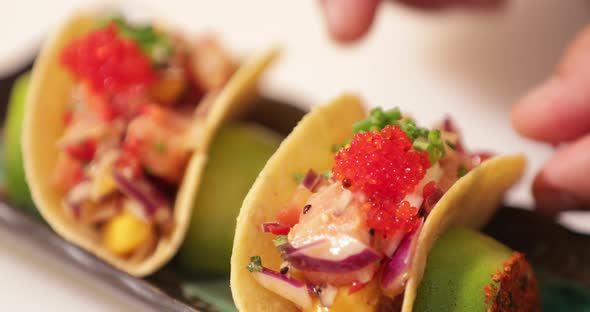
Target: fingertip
(349,20)
(549,199)
(530,113)
(563,184)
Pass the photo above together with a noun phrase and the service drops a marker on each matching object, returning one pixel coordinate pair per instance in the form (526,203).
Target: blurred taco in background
(116,132)
(373,194)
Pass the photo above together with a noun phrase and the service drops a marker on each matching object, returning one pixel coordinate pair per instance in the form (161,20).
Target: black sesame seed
(421,212)
(306,208)
(317,290)
(372,231)
(284,270)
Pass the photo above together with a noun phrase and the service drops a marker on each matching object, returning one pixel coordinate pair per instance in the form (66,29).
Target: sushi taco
(117,125)
(344,214)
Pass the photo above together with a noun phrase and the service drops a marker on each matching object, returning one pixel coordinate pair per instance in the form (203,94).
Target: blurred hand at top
(349,20)
(556,112)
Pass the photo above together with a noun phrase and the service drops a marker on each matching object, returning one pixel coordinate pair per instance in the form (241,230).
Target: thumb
(349,20)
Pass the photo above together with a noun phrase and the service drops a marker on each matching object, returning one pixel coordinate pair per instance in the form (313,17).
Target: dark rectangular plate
(560,256)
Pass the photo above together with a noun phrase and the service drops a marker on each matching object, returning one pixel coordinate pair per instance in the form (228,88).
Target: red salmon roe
(107,61)
(384,167)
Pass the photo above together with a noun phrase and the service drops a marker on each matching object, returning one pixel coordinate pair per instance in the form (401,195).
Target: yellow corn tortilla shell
(471,201)
(43,125)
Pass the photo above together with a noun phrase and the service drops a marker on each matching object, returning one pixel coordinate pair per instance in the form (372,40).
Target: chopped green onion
(280,240)
(435,153)
(157,46)
(337,147)
(451,145)
(378,118)
(422,139)
(255,264)
(420,144)
(461,171)
(434,136)
(160,147)
(393,115)
(361,126)
(298,177)
(328,174)
(409,127)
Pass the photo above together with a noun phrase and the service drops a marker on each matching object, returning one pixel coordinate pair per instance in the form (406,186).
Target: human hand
(349,20)
(558,112)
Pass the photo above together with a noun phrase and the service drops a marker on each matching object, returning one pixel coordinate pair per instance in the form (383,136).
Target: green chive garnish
(280,240)
(160,147)
(361,126)
(298,177)
(255,264)
(461,171)
(451,145)
(157,46)
(422,139)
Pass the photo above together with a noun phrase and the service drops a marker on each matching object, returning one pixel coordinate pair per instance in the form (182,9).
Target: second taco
(117,126)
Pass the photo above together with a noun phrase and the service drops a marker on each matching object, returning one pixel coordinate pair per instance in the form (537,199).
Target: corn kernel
(125,233)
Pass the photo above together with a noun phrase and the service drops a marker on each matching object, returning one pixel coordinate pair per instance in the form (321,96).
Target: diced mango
(364,300)
(125,233)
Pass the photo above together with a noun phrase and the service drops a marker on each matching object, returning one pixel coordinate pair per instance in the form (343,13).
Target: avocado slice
(16,185)
(463,264)
(237,154)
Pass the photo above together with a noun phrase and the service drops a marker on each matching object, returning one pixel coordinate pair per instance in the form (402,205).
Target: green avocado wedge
(461,264)
(16,185)
(237,154)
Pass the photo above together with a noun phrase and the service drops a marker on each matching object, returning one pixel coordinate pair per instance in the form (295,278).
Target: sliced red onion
(149,198)
(284,286)
(276,228)
(300,259)
(310,180)
(392,243)
(74,208)
(322,183)
(432,200)
(395,270)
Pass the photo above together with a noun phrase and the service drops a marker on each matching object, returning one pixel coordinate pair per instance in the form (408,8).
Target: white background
(472,66)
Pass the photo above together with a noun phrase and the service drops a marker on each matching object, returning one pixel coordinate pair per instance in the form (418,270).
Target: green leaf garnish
(461,171)
(298,177)
(255,264)
(451,145)
(337,147)
(280,240)
(377,120)
(422,139)
(160,147)
(156,45)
